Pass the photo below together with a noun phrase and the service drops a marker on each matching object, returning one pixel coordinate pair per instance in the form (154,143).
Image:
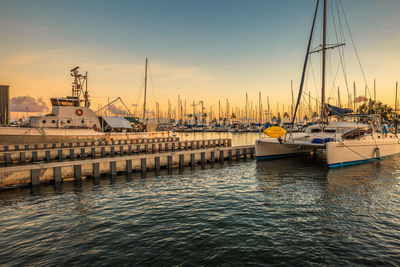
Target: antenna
(80,81)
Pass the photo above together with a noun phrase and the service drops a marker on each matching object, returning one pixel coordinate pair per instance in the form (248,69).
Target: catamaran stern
(270,149)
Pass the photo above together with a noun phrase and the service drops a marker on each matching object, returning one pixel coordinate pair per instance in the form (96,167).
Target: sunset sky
(202,50)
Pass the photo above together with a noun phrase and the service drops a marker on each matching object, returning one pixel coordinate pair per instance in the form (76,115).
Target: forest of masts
(260,112)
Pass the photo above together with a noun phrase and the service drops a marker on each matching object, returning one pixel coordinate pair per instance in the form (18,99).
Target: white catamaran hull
(269,149)
(24,135)
(348,152)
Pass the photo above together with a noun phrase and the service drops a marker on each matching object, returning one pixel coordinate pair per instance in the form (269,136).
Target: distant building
(4,104)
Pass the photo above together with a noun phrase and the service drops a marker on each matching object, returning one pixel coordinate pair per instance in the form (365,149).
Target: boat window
(53,121)
(330,130)
(83,121)
(68,121)
(315,130)
(43,121)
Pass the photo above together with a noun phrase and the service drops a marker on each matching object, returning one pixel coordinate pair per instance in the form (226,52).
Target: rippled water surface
(290,211)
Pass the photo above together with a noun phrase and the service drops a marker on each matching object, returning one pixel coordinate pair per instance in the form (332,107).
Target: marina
(199,133)
(281,211)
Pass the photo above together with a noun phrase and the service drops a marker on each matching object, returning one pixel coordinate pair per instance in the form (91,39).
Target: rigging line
(330,68)
(152,87)
(305,64)
(315,82)
(330,56)
(304,96)
(141,88)
(140,93)
(313,98)
(334,80)
(341,49)
(354,46)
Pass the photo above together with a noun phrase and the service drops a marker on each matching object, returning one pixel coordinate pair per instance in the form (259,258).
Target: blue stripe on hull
(336,165)
(343,164)
(279,156)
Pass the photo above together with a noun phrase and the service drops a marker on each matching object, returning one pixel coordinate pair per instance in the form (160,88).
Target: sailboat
(345,142)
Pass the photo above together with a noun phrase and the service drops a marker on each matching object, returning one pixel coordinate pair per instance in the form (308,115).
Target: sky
(202,50)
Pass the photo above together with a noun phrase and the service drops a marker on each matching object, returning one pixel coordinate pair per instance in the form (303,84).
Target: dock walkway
(108,161)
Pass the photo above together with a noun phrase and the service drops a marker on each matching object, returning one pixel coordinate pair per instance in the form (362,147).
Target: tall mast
(259,108)
(227,111)
(247,104)
(395,102)
(309,105)
(292,108)
(219,112)
(269,112)
(145,92)
(86,95)
(169,111)
(323,65)
(202,113)
(355,97)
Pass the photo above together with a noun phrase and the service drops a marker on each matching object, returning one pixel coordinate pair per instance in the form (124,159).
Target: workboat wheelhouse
(67,113)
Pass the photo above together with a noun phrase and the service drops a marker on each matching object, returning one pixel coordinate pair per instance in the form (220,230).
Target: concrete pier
(57,171)
(18,147)
(102,149)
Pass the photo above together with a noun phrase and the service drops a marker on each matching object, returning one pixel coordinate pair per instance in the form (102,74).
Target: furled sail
(336,111)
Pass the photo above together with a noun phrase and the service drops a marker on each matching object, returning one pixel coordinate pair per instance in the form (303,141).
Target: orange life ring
(79,112)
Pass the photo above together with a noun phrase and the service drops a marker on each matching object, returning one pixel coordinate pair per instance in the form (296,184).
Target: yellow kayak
(274,131)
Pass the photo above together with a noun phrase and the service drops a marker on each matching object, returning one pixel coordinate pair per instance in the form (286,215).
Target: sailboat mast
(259,108)
(292,108)
(269,112)
(145,92)
(395,102)
(323,65)
(219,112)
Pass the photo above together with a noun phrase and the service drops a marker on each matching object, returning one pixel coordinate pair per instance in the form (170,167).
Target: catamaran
(358,139)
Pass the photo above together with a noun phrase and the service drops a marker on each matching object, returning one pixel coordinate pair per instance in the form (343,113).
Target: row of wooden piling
(82,153)
(18,147)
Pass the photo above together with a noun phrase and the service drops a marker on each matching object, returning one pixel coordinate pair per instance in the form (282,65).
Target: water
(281,212)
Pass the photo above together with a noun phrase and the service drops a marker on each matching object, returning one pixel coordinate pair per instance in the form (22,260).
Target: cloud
(117,111)
(27,103)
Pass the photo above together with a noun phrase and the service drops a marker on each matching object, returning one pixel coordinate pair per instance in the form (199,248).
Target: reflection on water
(291,211)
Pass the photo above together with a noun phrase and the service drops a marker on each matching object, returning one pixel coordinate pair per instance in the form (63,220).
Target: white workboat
(71,120)
(345,143)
